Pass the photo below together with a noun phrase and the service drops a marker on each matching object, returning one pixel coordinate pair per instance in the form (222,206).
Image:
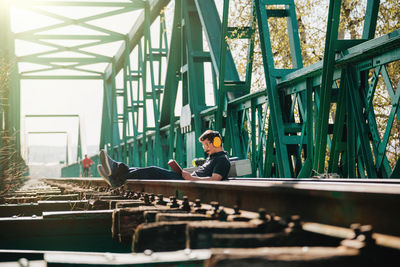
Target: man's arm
(187,176)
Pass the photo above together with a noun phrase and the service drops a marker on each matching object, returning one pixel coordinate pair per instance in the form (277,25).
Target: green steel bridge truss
(285,129)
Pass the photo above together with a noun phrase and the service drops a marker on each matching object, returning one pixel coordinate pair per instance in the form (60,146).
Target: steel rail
(338,203)
(190,257)
(66,235)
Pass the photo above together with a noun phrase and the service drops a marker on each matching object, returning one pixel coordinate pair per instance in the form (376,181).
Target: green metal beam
(275,127)
(326,85)
(61,77)
(212,26)
(135,34)
(277,112)
(132,4)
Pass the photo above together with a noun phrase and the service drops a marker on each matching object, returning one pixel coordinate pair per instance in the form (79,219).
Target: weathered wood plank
(287,256)
(170,217)
(34,199)
(126,220)
(200,233)
(24,209)
(29,209)
(63,205)
(73,230)
(160,236)
(287,238)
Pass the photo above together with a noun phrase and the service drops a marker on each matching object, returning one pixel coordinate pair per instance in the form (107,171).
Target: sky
(80,97)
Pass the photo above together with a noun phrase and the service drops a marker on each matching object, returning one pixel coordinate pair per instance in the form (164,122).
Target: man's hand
(189,177)
(186,175)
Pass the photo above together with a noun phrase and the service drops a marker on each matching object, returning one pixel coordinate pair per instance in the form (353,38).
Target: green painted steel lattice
(286,129)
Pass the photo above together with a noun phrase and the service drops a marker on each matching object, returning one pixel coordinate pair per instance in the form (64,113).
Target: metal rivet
(146,199)
(236,209)
(295,222)
(23,262)
(262,213)
(366,231)
(197,203)
(109,256)
(215,204)
(356,228)
(160,200)
(185,204)
(222,216)
(148,252)
(173,203)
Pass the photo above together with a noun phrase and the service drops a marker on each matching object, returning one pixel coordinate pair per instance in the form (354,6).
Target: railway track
(242,222)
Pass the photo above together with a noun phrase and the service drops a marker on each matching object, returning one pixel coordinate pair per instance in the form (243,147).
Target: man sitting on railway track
(215,168)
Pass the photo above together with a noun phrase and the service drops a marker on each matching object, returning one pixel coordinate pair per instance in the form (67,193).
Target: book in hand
(175,166)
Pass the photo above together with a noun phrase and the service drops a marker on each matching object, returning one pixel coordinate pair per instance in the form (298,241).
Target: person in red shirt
(86,162)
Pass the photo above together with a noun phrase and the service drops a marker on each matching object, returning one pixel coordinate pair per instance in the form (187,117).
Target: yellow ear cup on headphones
(217,142)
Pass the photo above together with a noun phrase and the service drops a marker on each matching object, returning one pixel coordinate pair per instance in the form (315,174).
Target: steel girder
(185,68)
(350,151)
(127,138)
(285,130)
(289,148)
(262,125)
(49,59)
(277,113)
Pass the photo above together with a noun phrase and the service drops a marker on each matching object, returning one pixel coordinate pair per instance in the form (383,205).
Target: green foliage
(312,20)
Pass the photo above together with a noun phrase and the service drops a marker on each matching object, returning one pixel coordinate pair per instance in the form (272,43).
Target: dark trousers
(121,171)
(86,172)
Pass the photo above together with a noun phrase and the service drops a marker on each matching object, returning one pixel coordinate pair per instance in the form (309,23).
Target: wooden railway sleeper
(236,237)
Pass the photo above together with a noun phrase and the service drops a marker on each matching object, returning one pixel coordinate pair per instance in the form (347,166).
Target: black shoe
(113,182)
(107,162)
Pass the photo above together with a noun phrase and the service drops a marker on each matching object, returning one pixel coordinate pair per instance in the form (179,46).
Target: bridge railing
(76,169)
(307,121)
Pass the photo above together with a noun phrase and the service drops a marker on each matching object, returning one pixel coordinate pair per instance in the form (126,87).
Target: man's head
(211,141)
